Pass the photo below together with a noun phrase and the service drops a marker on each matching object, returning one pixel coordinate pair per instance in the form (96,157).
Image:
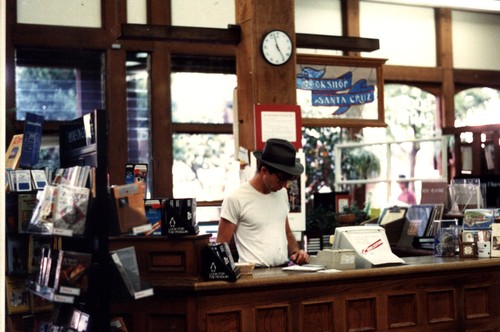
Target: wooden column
(258,81)
(445,61)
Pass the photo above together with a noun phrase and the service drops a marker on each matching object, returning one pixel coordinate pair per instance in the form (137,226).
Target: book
(416,224)
(11,211)
(39,179)
(17,254)
(32,140)
(72,272)
(71,204)
(475,219)
(23,180)
(79,320)
(50,268)
(36,246)
(495,240)
(42,219)
(129,206)
(125,261)
(154,215)
(17,295)
(26,204)
(13,153)
(137,173)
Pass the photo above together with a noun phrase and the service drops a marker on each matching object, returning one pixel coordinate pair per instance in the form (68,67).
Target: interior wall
(476,39)
(407,34)
(81,13)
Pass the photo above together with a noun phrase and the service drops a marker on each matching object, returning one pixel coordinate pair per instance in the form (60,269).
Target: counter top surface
(262,277)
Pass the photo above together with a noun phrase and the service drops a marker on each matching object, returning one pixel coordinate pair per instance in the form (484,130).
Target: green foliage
(321,221)
(318,148)
(476,103)
(360,163)
(51,92)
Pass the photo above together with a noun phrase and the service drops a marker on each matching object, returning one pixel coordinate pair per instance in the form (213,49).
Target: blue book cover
(32,139)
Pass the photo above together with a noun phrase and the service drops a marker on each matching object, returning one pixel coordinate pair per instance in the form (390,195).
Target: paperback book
(26,205)
(13,153)
(37,244)
(72,272)
(17,295)
(32,140)
(17,254)
(71,206)
(129,204)
(154,215)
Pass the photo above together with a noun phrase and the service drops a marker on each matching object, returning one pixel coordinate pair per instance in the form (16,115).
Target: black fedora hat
(280,154)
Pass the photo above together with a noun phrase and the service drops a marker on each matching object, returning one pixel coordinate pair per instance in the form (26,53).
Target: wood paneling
(428,294)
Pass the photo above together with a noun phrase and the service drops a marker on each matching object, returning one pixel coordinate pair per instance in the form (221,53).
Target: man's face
(278,180)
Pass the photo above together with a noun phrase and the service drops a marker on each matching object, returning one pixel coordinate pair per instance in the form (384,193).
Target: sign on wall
(340,91)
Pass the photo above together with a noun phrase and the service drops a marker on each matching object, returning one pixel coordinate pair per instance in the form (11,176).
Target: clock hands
(278,47)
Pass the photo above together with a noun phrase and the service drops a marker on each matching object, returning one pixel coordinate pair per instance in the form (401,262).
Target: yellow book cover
(13,153)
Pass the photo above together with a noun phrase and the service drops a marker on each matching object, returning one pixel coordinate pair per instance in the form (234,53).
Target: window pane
(138,111)
(204,166)
(50,92)
(202,97)
(138,108)
(60,85)
(82,13)
(477,106)
(202,13)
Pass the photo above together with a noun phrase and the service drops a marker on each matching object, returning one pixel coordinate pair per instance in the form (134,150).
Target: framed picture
(340,91)
(277,121)
(342,200)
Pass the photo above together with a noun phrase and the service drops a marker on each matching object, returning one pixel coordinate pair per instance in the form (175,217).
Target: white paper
(279,125)
(374,247)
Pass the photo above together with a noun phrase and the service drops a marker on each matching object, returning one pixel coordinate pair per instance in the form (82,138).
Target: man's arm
(225,231)
(297,255)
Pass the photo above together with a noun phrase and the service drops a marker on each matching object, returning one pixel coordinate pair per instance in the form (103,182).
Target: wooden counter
(427,294)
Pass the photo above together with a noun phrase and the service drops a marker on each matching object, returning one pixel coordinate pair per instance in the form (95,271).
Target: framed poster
(277,121)
(342,201)
(340,91)
(297,199)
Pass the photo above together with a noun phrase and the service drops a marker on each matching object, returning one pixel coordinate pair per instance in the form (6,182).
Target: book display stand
(68,268)
(218,263)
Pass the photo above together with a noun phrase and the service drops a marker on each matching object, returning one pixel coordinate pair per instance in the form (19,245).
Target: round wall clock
(277,47)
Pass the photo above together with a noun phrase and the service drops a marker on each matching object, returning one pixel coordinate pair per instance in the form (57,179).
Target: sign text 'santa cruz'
(341,91)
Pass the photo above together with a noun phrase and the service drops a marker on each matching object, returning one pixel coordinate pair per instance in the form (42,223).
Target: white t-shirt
(260,235)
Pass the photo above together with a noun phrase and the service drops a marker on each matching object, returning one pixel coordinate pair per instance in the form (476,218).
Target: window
(202,115)
(477,106)
(138,111)
(60,85)
(407,146)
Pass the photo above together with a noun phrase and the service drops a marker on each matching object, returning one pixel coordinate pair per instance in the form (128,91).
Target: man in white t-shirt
(256,213)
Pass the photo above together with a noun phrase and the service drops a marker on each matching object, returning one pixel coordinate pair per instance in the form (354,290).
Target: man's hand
(300,257)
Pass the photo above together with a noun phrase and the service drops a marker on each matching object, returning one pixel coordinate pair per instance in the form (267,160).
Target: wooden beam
(477,77)
(231,35)
(340,43)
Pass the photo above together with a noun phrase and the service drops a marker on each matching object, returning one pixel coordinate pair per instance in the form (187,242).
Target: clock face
(277,47)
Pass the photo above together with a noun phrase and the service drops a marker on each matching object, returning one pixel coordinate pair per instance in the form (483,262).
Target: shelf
(48,293)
